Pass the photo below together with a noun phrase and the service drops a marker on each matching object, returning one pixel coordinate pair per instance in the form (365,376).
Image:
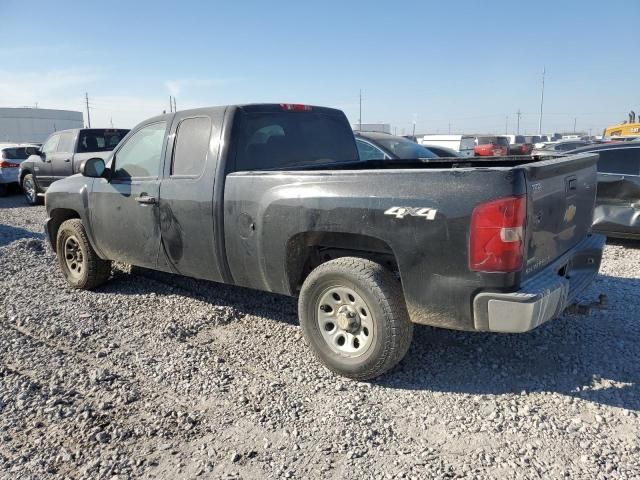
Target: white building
(35,124)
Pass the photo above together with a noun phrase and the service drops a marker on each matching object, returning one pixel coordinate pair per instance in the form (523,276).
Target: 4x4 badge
(401,212)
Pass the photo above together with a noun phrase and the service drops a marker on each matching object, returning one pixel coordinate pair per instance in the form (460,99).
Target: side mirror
(93,167)
(33,150)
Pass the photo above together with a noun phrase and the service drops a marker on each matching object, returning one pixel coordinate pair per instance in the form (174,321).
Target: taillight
(523,149)
(496,236)
(295,107)
(5,164)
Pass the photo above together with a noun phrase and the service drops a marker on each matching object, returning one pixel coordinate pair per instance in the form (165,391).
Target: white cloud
(26,88)
(177,86)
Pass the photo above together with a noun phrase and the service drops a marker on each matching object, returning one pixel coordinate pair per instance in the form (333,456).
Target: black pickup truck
(61,155)
(274,197)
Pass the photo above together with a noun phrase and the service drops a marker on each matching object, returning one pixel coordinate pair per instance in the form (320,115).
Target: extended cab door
(187,206)
(61,165)
(124,207)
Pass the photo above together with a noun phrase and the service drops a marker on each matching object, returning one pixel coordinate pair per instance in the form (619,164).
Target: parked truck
(274,197)
(61,155)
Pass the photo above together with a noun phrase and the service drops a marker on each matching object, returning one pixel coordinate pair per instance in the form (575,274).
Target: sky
(458,66)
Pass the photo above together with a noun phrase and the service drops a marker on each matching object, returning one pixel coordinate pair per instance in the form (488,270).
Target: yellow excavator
(624,129)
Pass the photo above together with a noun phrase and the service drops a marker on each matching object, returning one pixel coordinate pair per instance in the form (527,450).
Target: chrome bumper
(544,296)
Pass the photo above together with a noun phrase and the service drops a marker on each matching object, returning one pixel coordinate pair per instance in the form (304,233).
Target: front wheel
(353,315)
(30,190)
(80,265)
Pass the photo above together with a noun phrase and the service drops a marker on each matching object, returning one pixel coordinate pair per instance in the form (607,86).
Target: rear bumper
(544,296)
(9,175)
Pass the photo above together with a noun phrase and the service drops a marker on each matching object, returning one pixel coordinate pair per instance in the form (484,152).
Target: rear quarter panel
(265,210)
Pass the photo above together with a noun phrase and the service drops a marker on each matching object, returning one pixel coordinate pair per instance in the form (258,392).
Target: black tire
(31,190)
(90,270)
(381,292)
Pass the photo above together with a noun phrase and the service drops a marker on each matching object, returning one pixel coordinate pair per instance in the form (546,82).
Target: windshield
(97,140)
(404,149)
(504,141)
(17,153)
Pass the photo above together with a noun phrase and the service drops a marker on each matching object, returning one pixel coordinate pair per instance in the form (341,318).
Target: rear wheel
(80,265)
(354,318)
(30,190)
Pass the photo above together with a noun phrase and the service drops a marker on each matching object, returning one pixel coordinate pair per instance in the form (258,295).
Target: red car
(491,146)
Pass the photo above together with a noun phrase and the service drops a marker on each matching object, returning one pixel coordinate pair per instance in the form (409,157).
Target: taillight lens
(496,236)
(295,107)
(5,164)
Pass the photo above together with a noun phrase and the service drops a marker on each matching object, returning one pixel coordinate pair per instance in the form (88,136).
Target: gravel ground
(159,376)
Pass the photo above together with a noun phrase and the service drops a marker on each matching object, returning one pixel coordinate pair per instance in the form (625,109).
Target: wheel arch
(57,217)
(307,250)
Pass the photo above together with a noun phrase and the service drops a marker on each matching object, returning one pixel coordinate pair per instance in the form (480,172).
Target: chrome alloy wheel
(344,319)
(73,256)
(29,189)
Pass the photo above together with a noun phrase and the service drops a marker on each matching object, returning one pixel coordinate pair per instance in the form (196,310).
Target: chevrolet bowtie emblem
(570,213)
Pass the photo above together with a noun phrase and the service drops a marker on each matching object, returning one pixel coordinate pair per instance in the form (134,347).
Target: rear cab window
(273,138)
(100,140)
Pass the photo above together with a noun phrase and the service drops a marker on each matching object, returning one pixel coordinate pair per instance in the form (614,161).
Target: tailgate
(561,194)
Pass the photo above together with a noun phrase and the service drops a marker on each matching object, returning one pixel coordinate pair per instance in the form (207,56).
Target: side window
(140,155)
(50,145)
(368,151)
(191,146)
(620,161)
(65,145)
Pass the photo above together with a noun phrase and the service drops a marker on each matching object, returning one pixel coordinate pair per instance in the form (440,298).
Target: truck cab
(60,156)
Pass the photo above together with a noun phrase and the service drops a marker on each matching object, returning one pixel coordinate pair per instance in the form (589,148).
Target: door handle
(146,200)
(67,160)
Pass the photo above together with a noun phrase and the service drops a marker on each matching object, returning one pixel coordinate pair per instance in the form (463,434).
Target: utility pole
(519,115)
(170,104)
(544,71)
(506,125)
(111,121)
(174,105)
(575,119)
(360,114)
(86,98)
